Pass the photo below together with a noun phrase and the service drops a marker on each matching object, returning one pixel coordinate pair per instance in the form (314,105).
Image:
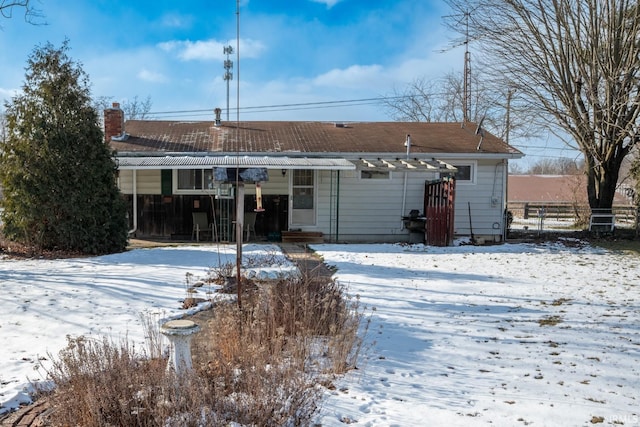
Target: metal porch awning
(268,162)
(405,165)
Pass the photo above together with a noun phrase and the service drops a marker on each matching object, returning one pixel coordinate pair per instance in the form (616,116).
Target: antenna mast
(228,75)
(466,108)
(466,74)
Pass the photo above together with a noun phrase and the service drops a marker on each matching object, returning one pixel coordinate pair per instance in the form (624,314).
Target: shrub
(262,365)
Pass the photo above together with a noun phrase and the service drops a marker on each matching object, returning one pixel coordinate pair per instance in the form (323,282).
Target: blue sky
(291,52)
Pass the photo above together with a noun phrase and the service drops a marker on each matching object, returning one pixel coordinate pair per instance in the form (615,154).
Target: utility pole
(228,75)
(508,115)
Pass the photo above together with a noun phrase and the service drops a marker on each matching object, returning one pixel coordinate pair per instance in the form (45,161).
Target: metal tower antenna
(466,78)
(466,109)
(228,75)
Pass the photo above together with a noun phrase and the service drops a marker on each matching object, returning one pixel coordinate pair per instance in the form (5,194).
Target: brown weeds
(263,365)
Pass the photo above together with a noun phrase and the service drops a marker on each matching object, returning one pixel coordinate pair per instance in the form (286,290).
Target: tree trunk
(601,183)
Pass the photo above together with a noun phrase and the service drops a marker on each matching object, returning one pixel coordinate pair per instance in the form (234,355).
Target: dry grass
(262,365)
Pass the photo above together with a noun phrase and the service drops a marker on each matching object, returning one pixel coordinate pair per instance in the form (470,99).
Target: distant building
(554,189)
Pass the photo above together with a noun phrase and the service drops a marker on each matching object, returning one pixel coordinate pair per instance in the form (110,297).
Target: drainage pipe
(135,202)
(407,144)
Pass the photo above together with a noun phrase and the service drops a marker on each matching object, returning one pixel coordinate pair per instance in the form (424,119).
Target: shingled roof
(151,136)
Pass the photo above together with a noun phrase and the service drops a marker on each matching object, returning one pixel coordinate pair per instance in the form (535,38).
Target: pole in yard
(239,185)
(473,238)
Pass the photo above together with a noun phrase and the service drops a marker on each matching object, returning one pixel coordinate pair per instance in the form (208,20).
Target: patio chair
(200,224)
(249,223)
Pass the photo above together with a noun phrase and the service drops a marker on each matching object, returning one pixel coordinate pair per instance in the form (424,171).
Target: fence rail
(625,216)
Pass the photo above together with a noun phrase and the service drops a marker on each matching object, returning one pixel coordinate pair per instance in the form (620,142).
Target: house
(346,182)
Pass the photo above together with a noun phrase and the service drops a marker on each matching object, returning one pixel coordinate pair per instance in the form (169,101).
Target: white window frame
(203,190)
(473,172)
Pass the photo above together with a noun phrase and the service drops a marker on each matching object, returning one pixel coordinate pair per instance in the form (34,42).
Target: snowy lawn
(44,301)
(513,334)
(503,335)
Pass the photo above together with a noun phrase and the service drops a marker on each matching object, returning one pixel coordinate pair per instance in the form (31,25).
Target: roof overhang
(282,162)
(405,165)
(268,162)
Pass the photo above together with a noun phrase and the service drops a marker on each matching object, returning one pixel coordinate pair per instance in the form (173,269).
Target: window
(194,179)
(302,189)
(466,173)
(375,174)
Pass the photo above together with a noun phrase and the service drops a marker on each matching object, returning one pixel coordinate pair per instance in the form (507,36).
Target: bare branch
(31,14)
(575,63)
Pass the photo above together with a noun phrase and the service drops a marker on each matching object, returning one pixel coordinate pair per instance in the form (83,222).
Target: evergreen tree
(58,175)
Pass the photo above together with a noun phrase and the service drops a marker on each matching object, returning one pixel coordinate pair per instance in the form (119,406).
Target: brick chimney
(113,122)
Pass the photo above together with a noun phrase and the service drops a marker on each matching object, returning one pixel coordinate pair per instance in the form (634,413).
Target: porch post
(239,229)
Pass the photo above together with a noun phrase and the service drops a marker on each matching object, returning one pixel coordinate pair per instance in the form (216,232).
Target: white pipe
(135,202)
(407,144)
(503,202)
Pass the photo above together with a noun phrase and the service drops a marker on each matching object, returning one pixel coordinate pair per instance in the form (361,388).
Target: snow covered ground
(514,334)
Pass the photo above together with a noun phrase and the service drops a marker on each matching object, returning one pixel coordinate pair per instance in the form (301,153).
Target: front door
(303,198)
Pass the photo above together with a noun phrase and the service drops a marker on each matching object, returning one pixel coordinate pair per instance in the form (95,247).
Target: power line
(539,147)
(258,109)
(287,107)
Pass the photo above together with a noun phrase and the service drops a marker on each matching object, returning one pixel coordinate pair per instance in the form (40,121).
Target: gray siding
(487,200)
(371,210)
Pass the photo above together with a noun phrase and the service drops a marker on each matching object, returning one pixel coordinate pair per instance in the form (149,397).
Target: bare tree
(576,64)
(134,108)
(137,109)
(556,166)
(7,7)
(442,100)
(516,169)
(634,172)
(414,103)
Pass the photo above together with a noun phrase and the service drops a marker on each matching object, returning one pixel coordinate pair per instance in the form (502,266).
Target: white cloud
(151,76)
(176,21)
(355,76)
(207,50)
(329,3)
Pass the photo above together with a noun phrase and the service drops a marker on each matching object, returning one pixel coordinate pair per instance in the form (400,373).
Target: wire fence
(571,217)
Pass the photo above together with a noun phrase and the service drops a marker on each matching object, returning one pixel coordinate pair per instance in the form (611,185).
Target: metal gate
(439,203)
